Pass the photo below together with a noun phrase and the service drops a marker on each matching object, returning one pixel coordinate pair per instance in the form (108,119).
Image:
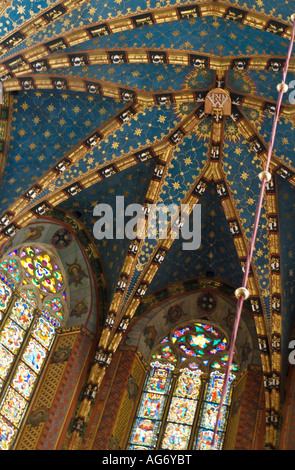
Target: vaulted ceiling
(105,99)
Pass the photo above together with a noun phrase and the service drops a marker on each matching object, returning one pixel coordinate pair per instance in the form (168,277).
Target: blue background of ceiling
(132,185)
(217,253)
(46,125)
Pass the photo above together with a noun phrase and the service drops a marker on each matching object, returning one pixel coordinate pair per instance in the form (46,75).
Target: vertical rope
(265,176)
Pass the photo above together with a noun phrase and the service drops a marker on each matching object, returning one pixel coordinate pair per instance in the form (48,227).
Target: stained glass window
(193,360)
(55,305)
(210,410)
(43,272)
(199,340)
(147,425)
(32,294)
(11,266)
(5,294)
(182,410)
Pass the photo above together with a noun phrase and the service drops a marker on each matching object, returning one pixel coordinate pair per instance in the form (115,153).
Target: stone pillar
(116,403)
(246,425)
(55,400)
(287,437)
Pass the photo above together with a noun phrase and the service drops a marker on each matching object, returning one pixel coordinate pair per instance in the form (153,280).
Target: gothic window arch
(33,304)
(181,395)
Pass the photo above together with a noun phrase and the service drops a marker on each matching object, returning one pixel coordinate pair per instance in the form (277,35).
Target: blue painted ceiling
(60,96)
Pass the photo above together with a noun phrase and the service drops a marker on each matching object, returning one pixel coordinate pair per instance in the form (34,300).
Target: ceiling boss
(218,103)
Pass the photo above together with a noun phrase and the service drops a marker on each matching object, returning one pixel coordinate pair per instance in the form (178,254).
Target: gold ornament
(242,292)
(264,174)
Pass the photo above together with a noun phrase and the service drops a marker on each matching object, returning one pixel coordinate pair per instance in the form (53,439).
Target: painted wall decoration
(62,238)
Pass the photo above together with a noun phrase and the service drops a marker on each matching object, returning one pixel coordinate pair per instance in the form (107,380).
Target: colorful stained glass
(34,355)
(50,319)
(13,407)
(209,328)
(146,427)
(205,340)
(187,351)
(182,410)
(159,380)
(43,332)
(216,365)
(157,356)
(137,447)
(222,363)
(49,285)
(11,267)
(7,432)
(27,251)
(204,441)
(151,406)
(215,388)
(31,293)
(210,410)
(218,347)
(55,306)
(198,341)
(210,414)
(6,281)
(13,253)
(6,360)
(193,365)
(145,432)
(179,333)
(12,336)
(5,294)
(22,312)
(167,353)
(44,273)
(176,436)
(188,384)
(24,380)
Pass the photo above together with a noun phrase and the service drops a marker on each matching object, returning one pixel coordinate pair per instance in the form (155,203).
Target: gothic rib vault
(101,100)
